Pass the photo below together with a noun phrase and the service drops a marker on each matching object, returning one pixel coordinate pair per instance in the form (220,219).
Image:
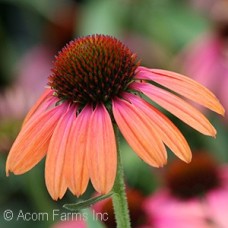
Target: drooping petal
(177,107)
(169,133)
(42,101)
(77,173)
(32,142)
(56,161)
(48,104)
(139,133)
(101,152)
(182,85)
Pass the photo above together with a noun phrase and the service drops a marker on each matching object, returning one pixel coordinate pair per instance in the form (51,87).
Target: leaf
(86,203)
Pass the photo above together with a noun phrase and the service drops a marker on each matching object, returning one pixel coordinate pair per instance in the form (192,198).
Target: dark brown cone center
(193,179)
(92,69)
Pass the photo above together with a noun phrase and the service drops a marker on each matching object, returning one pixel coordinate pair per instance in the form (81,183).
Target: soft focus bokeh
(188,36)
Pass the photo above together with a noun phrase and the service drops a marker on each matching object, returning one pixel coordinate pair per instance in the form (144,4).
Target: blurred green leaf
(101,17)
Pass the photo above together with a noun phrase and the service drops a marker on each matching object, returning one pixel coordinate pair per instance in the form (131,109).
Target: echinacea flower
(96,83)
(195,195)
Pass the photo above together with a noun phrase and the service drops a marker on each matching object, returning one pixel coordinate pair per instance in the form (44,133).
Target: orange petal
(101,151)
(77,171)
(42,101)
(169,133)
(32,142)
(184,86)
(139,133)
(56,156)
(177,107)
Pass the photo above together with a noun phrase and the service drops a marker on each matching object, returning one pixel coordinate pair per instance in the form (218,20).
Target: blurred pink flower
(70,224)
(206,59)
(168,211)
(207,62)
(207,208)
(32,72)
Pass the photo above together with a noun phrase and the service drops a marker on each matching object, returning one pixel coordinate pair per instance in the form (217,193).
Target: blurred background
(188,36)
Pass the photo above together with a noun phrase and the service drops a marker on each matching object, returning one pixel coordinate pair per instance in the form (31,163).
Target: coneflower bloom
(97,82)
(195,195)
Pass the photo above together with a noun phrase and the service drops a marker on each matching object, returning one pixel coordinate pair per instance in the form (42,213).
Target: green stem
(119,198)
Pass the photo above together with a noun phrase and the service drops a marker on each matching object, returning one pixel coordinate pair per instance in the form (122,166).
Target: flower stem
(119,198)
